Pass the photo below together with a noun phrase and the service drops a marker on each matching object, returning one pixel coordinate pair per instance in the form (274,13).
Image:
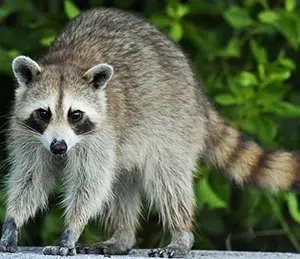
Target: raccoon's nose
(58,147)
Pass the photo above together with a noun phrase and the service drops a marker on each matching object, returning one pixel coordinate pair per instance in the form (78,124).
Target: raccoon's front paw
(59,250)
(9,247)
(169,252)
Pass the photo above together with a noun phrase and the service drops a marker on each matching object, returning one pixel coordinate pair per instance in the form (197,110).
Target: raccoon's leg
(29,185)
(171,189)
(88,183)
(122,214)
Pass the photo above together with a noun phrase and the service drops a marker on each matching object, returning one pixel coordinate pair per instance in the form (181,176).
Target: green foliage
(71,9)
(246,54)
(293,207)
(238,17)
(206,195)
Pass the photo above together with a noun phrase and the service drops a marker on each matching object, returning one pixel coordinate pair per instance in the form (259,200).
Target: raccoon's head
(59,104)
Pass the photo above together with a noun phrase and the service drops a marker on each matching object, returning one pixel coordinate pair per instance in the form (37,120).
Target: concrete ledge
(36,253)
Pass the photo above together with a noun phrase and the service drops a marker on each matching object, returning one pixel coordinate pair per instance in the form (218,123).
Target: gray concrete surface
(36,253)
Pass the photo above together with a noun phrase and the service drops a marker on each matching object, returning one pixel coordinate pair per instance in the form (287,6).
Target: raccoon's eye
(75,116)
(44,115)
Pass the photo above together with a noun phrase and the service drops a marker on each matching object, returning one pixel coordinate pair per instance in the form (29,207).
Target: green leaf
(288,25)
(241,93)
(264,3)
(176,31)
(221,186)
(279,74)
(71,9)
(13,53)
(286,109)
(182,10)
(293,206)
(160,21)
(263,127)
(258,52)
(288,63)
(206,194)
(267,130)
(232,49)
(177,11)
(226,99)
(171,11)
(270,96)
(47,40)
(261,72)
(269,17)
(238,17)
(246,79)
(290,5)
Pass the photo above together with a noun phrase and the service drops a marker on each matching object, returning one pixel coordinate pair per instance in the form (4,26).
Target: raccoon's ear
(25,69)
(99,75)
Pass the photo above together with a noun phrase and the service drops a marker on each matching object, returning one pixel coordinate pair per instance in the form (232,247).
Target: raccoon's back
(141,55)
(110,36)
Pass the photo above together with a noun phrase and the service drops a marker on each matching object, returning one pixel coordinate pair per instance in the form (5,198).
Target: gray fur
(150,127)
(121,215)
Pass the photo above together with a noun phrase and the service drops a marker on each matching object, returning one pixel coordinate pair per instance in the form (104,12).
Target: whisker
(7,115)
(30,134)
(28,127)
(88,132)
(17,129)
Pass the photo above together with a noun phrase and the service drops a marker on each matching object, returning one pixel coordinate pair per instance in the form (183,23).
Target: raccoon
(113,110)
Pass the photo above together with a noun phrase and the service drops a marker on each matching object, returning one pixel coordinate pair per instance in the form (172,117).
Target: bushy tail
(246,162)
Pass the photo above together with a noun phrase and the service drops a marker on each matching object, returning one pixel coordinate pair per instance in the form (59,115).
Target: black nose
(58,147)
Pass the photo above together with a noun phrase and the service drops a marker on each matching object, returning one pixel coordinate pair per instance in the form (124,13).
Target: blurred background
(246,54)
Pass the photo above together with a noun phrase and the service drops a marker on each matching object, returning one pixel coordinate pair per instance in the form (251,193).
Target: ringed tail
(246,162)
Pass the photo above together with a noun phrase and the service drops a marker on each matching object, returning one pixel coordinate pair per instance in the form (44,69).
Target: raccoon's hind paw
(169,252)
(59,250)
(9,248)
(105,248)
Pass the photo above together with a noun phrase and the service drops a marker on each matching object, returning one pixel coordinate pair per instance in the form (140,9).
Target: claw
(63,251)
(151,253)
(59,250)
(162,252)
(8,248)
(72,251)
(168,252)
